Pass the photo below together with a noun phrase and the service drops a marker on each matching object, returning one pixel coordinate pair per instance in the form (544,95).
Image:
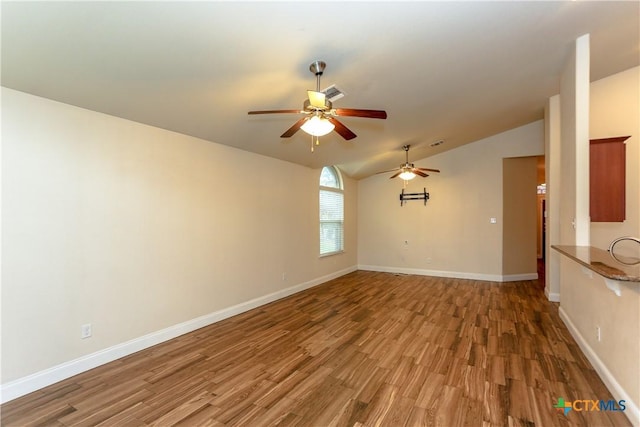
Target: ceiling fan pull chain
(317,141)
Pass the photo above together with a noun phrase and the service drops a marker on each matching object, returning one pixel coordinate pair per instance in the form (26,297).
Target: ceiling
(452,71)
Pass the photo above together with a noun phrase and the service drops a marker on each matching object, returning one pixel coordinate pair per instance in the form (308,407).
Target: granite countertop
(601,261)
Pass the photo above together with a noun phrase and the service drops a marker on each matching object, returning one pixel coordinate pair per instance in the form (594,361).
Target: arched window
(331,211)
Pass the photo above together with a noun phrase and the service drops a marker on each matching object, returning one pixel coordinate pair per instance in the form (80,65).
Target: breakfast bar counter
(602,262)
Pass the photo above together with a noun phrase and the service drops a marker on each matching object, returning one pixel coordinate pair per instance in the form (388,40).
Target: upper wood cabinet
(607,179)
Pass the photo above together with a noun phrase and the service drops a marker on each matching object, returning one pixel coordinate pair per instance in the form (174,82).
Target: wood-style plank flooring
(367,349)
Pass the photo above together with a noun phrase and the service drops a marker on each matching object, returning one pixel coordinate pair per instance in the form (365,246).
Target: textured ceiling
(458,71)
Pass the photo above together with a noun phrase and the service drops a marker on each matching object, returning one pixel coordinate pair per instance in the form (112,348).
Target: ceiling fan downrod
(317,68)
(406,156)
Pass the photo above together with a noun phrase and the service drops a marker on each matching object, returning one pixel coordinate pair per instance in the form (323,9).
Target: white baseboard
(632,410)
(38,380)
(551,296)
(451,274)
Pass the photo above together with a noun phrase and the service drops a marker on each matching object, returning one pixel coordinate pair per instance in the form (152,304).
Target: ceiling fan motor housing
(309,107)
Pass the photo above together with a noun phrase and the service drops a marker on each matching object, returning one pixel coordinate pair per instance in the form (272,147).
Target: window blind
(331,221)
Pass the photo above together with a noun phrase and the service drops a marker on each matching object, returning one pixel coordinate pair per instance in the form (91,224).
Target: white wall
(135,230)
(574,158)
(552,171)
(451,235)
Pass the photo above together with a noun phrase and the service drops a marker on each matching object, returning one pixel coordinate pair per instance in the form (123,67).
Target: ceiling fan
(319,115)
(407,170)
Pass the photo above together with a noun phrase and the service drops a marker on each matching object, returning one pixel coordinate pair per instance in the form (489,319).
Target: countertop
(601,262)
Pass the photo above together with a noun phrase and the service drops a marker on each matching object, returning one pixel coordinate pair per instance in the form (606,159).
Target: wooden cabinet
(607,179)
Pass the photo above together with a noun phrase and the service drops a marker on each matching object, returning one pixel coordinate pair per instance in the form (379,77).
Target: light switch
(493,220)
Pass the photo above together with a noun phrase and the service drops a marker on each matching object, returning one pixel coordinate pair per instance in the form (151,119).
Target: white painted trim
(451,274)
(551,296)
(632,410)
(38,380)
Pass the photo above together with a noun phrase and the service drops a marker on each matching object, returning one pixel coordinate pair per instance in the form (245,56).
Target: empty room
(338,213)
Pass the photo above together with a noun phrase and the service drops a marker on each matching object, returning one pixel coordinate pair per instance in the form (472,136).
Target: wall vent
(333,93)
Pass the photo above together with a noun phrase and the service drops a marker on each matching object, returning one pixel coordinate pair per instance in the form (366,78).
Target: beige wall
(519,215)
(585,301)
(615,112)
(451,235)
(135,229)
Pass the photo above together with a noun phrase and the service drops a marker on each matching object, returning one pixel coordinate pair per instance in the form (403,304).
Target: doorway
(541,227)
(519,217)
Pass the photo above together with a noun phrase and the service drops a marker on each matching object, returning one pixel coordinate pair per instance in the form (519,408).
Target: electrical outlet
(85,331)
(598,335)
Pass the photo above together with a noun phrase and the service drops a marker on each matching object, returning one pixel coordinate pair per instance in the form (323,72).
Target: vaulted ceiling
(452,71)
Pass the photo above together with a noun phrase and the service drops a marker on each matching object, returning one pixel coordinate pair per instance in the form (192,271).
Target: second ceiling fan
(319,115)
(407,170)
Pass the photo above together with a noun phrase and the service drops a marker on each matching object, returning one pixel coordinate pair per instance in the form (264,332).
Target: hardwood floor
(366,349)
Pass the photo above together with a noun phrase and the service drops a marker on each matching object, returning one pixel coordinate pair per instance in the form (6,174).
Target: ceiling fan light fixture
(407,171)
(317,126)
(407,175)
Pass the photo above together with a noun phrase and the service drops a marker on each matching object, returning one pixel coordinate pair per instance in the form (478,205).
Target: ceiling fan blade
(317,99)
(276,112)
(342,130)
(354,112)
(429,170)
(395,174)
(293,129)
(390,170)
(417,172)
